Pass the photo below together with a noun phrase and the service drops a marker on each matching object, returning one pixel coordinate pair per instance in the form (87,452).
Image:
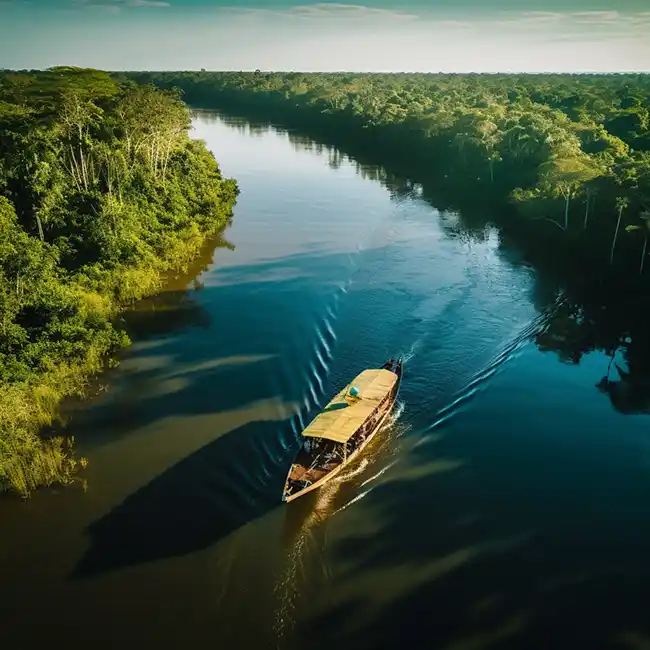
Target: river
(505,505)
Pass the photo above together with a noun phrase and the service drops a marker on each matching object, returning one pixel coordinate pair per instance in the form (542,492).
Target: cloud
(351,12)
(536,16)
(546,22)
(321,12)
(115,6)
(147,3)
(109,8)
(596,16)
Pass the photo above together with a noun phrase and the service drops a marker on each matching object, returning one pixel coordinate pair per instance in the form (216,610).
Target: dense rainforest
(567,157)
(102,195)
(560,163)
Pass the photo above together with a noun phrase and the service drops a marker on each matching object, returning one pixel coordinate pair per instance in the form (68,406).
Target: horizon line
(340,71)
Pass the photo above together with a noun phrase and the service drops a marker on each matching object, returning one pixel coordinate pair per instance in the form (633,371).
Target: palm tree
(590,196)
(645,218)
(494,157)
(621,204)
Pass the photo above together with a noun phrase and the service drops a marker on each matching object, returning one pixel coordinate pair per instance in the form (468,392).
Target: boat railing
(320,461)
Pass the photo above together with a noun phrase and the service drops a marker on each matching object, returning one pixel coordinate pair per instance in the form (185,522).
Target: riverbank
(514,455)
(532,150)
(105,196)
(595,314)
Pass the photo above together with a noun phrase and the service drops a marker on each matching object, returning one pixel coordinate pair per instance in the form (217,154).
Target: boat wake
(396,414)
(318,365)
(479,381)
(287,589)
(367,461)
(379,473)
(310,540)
(346,476)
(349,503)
(307,544)
(411,352)
(325,338)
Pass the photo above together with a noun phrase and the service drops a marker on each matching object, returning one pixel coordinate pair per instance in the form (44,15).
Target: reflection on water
(630,395)
(594,317)
(503,506)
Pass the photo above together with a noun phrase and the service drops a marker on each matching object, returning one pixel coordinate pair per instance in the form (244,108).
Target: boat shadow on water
(493,553)
(200,500)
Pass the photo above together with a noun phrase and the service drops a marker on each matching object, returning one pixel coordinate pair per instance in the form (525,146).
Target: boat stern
(395,365)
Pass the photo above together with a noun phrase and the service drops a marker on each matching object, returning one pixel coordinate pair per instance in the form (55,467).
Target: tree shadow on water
(199,385)
(200,500)
(165,313)
(536,553)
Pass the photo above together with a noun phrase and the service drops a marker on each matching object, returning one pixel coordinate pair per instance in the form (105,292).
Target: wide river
(505,505)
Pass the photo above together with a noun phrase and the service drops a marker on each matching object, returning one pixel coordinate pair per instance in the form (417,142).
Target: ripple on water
(190,446)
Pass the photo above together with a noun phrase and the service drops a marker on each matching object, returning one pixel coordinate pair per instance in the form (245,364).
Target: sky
(375,35)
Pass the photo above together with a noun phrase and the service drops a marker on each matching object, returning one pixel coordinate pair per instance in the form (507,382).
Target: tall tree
(645,229)
(621,204)
(566,176)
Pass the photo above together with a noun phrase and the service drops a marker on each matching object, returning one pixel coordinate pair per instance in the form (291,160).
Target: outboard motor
(394,365)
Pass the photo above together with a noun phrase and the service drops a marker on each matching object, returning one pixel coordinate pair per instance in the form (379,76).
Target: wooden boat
(338,434)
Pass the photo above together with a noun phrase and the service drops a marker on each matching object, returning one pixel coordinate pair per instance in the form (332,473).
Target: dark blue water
(504,506)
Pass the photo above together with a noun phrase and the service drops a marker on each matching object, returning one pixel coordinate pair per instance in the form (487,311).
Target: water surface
(504,506)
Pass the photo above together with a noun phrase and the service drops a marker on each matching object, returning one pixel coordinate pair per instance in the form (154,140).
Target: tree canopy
(561,159)
(102,193)
(561,150)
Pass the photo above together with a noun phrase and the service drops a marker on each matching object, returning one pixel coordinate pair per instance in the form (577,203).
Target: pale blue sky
(379,35)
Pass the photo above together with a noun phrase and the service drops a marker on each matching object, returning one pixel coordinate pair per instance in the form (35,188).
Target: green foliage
(102,193)
(551,144)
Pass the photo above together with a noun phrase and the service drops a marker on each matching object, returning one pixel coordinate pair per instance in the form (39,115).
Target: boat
(340,432)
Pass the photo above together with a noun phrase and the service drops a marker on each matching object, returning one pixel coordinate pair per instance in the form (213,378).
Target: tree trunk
(587,211)
(566,212)
(77,174)
(40,228)
(70,171)
(168,151)
(618,224)
(109,179)
(84,174)
(168,148)
(82,161)
(491,171)
(643,254)
(151,156)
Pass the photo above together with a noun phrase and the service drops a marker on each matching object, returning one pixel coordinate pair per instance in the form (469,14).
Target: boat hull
(355,454)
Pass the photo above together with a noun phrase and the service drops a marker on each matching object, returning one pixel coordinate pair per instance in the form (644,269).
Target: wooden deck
(302,473)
